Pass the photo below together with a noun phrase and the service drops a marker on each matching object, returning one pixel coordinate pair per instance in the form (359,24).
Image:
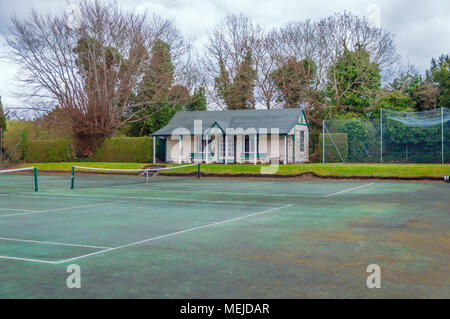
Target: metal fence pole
(323,141)
(442,133)
(381,136)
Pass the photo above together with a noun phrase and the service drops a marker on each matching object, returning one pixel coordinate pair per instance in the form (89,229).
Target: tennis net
(92,177)
(19,180)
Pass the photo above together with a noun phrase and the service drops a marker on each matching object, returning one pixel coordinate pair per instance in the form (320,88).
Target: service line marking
(176,233)
(348,190)
(62,209)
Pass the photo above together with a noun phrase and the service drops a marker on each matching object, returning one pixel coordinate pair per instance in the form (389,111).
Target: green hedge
(58,150)
(115,149)
(125,149)
(331,154)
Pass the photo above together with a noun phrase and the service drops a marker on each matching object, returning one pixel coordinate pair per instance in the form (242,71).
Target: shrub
(125,149)
(57,150)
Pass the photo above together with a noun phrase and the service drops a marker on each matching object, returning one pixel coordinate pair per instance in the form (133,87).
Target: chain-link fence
(392,137)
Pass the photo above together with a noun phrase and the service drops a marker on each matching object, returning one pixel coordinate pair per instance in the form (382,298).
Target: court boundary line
(96,197)
(57,262)
(61,209)
(349,189)
(52,243)
(176,233)
(30,259)
(16,210)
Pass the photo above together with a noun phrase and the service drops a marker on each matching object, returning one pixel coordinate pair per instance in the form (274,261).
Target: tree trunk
(87,144)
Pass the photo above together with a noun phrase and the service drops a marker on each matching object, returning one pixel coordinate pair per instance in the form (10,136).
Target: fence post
(381,136)
(442,133)
(323,141)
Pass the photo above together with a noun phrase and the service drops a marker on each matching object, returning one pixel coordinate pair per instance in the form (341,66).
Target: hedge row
(115,149)
(125,149)
(333,141)
(58,150)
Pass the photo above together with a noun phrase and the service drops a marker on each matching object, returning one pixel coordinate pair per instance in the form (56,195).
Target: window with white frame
(230,145)
(199,142)
(221,146)
(302,141)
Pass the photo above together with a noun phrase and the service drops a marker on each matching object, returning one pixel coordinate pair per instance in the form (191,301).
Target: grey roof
(283,119)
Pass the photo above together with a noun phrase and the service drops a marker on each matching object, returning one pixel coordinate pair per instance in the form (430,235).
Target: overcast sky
(421,28)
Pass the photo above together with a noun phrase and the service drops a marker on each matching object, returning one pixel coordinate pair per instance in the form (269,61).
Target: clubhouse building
(228,137)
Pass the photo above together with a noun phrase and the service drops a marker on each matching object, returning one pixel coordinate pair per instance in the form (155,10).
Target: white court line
(62,208)
(16,210)
(52,243)
(97,197)
(175,233)
(29,259)
(348,190)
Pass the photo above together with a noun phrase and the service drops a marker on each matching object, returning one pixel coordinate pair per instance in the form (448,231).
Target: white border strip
(62,208)
(52,243)
(16,170)
(348,190)
(132,170)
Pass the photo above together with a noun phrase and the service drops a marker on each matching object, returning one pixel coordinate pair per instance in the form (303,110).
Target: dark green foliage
(294,80)
(238,94)
(197,101)
(395,100)
(57,150)
(125,149)
(353,82)
(157,99)
(440,74)
(331,154)
(2,116)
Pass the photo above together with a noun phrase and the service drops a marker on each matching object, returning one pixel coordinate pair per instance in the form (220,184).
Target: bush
(57,150)
(331,154)
(125,149)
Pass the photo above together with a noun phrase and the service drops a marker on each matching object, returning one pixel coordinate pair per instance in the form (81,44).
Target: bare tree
(89,72)
(228,47)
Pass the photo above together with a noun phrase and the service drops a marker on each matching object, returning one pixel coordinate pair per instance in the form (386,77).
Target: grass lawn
(340,170)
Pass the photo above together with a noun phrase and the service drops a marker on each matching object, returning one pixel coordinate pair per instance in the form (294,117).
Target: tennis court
(183,237)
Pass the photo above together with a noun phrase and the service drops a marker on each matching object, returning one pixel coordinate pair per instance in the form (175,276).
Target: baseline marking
(61,209)
(52,243)
(16,210)
(348,190)
(96,197)
(175,233)
(32,260)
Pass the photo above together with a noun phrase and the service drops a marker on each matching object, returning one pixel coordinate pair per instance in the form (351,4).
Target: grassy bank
(338,170)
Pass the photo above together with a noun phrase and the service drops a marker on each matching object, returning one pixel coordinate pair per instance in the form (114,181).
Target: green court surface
(179,237)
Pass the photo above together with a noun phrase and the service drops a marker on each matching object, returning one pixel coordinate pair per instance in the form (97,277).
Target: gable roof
(283,119)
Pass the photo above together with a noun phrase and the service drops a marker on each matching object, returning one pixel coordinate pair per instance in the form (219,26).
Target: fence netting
(391,137)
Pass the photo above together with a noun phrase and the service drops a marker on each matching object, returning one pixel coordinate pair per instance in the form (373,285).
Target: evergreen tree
(294,80)
(157,99)
(237,95)
(2,116)
(353,82)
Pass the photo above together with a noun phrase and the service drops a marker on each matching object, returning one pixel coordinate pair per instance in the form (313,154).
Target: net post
(198,171)
(72,178)
(36,185)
